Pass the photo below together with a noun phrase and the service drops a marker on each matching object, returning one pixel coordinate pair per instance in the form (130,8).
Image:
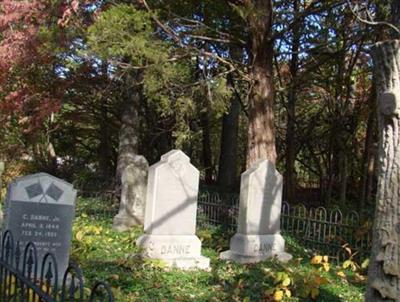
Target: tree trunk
(227,157)
(261,133)
(331,175)
(290,177)
(105,156)
(395,12)
(343,177)
(129,132)
(369,153)
(384,269)
(205,125)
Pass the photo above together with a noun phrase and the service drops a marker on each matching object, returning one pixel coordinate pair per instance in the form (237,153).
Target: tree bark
(227,158)
(206,140)
(395,12)
(105,156)
(369,153)
(105,152)
(290,177)
(343,163)
(261,132)
(331,169)
(384,269)
(129,132)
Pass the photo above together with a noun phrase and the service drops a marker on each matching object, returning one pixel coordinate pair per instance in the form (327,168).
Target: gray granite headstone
(40,208)
(1,189)
(170,215)
(258,234)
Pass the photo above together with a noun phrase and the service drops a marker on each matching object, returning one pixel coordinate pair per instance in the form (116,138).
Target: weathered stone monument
(1,174)
(40,208)
(258,234)
(133,194)
(170,216)
(1,189)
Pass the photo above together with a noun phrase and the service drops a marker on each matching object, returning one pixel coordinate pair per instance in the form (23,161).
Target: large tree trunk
(384,270)
(261,133)
(290,177)
(129,132)
(227,159)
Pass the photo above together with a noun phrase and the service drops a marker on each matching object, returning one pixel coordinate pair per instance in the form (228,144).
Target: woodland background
(83,81)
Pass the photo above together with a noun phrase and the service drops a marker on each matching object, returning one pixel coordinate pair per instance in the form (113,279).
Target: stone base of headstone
(256,248)
(181,251)
(123,223)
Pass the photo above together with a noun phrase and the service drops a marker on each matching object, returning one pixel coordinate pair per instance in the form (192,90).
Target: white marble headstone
(170,215)
(258,233)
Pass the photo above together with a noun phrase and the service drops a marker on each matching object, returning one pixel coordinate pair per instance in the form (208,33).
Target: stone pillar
(133,194)
(258,235)
(170,216)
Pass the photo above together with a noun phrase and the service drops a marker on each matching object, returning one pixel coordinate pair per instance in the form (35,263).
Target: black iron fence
(320,230)
(26,278)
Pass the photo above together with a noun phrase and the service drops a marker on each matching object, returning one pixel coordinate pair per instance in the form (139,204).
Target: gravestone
(40,208)
(258,234)
(1,167)
(170,215)
(1,189)
(133,194)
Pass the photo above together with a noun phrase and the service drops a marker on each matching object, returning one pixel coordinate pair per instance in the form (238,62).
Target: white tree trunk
(384,270)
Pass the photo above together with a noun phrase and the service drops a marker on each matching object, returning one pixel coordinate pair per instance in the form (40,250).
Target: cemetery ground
(105,254)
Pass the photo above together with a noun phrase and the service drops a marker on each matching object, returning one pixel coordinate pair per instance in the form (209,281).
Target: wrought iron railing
(24,277)
(321,230)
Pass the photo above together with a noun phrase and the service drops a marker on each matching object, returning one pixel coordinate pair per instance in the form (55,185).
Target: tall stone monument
(1,180)
(258,234)
(170,216)
(40,208)
(133,194)
(1,189)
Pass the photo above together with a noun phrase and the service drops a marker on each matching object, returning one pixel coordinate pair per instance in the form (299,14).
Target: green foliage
(221,96)
(170,84)
(123,32)
(244,11)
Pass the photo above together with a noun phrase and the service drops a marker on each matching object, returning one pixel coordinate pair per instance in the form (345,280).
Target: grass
(113,257)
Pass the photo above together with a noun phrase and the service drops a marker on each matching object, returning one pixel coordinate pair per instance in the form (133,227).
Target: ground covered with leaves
(113,257)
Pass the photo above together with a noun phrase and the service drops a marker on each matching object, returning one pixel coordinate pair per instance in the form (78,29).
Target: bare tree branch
(370,22)
(176,38)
